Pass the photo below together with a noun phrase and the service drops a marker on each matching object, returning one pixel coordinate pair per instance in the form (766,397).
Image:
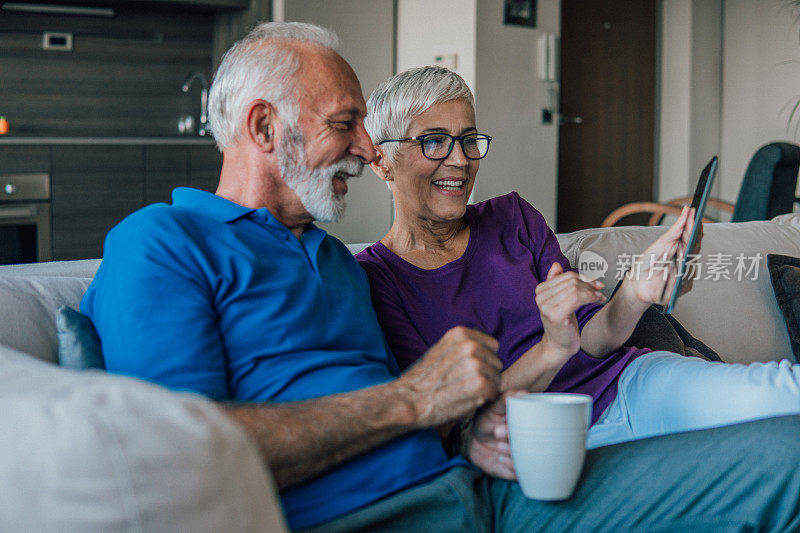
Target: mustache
(350,165)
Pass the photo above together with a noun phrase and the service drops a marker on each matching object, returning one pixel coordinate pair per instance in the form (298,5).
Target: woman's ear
(260,121)
(380,165)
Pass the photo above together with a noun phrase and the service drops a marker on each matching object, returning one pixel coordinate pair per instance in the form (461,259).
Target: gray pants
(744,477)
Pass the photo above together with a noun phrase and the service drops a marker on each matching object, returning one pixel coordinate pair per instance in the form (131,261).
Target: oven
(25,233)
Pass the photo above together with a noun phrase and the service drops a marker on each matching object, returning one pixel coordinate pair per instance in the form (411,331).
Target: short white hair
(250,70)
(394,103)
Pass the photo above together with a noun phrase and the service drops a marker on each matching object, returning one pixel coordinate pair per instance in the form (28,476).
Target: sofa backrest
(737,318)
(28,305)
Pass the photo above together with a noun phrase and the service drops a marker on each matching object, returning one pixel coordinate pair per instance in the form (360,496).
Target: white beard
(313,186)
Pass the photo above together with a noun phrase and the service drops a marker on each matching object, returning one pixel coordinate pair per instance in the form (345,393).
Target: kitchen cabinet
(205,164)
(210,4)
(94,188)
(168,167)
(24,159)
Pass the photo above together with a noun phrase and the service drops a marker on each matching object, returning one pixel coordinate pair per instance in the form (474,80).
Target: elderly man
(239,297)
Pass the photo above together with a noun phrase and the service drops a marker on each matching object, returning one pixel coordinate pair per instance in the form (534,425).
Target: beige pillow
(91,452)
(738,319)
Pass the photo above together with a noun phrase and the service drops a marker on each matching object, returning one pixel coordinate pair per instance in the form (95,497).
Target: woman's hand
(652,280)
(558,298)
(485,441)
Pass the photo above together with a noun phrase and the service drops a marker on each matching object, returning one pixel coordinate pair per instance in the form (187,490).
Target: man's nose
(362,144)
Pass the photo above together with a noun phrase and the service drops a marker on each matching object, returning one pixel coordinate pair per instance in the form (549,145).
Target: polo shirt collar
(225,211)
(209,204)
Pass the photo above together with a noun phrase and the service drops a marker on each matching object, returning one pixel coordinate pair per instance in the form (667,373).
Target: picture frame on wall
(520,13)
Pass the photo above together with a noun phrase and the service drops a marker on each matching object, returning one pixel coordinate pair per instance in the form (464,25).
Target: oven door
(25,233)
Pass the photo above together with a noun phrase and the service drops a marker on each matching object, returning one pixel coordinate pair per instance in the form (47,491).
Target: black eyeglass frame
(453,139)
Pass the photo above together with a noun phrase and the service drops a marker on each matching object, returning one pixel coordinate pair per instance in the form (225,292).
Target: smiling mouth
(450,185)
(344,176)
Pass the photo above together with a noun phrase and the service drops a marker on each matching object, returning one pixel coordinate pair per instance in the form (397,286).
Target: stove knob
(10,188)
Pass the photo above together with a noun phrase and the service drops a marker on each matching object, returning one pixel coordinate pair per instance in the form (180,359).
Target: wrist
(456,440)
(628,297)
(406,411)
(553,354)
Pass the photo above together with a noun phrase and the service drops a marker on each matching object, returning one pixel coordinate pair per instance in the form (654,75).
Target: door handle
(17,212)
(569,120)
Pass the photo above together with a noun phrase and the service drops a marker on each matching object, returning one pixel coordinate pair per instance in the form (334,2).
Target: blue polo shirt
(208,296)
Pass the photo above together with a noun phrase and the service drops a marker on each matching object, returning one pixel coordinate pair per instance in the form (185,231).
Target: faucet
(197,75)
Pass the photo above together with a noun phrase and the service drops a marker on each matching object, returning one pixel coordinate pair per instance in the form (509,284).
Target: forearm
(534,370)
(302,440)
(613,324)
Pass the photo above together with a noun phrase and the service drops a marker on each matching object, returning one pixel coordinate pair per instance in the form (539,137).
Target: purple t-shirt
(491,288)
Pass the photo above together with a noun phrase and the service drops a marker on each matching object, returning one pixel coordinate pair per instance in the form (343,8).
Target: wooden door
(608,54)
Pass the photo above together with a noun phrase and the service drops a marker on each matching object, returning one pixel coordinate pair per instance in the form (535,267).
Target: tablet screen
(701,194)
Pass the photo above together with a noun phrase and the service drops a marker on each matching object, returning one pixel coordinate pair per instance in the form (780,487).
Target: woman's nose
(457,157)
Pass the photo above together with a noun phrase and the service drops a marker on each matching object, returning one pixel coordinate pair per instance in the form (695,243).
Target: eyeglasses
(437,146)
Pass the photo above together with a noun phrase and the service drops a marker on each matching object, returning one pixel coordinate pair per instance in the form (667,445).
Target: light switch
(448,61)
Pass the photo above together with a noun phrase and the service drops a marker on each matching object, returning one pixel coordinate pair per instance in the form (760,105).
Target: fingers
(677,229)
(456,376)
(461,333)
(567,292)
(555,270)
(566,279)
(475,343)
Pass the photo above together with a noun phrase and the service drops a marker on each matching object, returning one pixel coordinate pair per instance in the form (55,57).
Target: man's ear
(260,124)
(380,165)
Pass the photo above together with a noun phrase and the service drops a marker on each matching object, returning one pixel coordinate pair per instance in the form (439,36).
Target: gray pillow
(784,273)
(78,343)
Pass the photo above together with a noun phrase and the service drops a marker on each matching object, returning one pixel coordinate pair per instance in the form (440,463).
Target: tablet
(701,194)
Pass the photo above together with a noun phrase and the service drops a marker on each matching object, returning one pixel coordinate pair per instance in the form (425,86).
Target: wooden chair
(768,190)
(659,211)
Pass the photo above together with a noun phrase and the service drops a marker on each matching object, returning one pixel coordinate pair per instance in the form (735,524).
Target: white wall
(689,93)
(761,82)
(427,28)
(366,30)
(524,154)
(729,78)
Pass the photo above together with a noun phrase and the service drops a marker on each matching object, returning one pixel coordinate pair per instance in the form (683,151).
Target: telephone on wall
(547,58)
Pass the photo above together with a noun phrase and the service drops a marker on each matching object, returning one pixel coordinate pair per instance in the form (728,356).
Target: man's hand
(485,441)
(558,298)
(456,376)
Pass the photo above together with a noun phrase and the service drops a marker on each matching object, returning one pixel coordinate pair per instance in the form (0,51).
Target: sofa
(88,451)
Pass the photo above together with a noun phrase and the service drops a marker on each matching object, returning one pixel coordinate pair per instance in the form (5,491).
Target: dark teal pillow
(657,331)
(78,343)
(784,273)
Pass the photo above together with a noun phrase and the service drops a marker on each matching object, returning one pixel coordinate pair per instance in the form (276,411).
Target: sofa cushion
(784,272)
(81,268)
(91,452)
(714,310)
(78,343)
(28,309)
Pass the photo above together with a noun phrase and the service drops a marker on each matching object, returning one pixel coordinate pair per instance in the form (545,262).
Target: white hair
(394,103)
(250,70)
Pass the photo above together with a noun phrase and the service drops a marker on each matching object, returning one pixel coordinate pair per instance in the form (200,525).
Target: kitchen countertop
(11,139)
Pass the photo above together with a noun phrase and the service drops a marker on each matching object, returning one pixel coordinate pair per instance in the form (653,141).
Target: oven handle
(26,211)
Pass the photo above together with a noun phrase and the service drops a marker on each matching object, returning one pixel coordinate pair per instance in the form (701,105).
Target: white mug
(547,432)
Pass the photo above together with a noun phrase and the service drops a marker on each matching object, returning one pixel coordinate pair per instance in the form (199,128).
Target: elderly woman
(445,263)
